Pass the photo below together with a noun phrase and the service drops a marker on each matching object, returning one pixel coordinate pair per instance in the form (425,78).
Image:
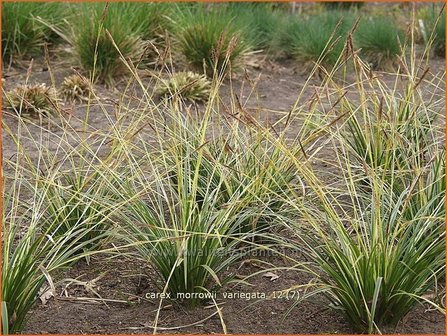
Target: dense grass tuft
(22,36)
(33,246)
(346,5)
(379,40)
(183,236)
(378,256)
(75,87)
(188,85)
(211,39)
(33,100)
(102,35)
(439,39)
(433,30)
(320,38)
(74,204)
(262,21)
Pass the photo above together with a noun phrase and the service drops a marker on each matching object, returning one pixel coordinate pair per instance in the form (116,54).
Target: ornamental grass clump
(261,175)
(101,36)
(377,264)
(432,27)
(379,40)
(186,85)
(262,21)
(183,236)
(391,136)
(31,256)
(341,5)
(377,251)
(33,247)
(23,36)
(76,87)
(243,163)
(75,202)
(187,213)
(317,39)
(210,39)
(33,100)
(57,208)
(439,36)
(189,248)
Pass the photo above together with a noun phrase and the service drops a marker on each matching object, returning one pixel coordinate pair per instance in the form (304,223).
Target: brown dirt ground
(128,280)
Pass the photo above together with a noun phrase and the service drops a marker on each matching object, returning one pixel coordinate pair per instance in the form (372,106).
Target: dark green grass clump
(104,37)
(318,38)
(379,40)
(263,20)
(22,35)
(337,5)
(210,38)
(439,41)
(435,30)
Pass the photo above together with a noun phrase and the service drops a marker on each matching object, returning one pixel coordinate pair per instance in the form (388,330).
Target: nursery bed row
(135,188)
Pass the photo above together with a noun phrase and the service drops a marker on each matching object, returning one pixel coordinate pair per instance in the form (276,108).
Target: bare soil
(130,281)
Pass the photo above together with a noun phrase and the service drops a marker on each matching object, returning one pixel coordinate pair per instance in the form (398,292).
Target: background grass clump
(344,5)
(439,39)
(211,39)
(102,36)
(263,20)
(318,38)
(23,36)
(380,41)
(432,26)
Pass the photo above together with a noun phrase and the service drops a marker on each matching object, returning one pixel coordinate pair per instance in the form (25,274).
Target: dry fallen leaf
(271,275)
(46,296)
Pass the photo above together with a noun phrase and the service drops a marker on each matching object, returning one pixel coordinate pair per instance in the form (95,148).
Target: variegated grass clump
(74,204)
(377,251)
(247,165)
(194,200)
(181,229)
(33,100)
(188,85)
(56,207)
(75,87)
